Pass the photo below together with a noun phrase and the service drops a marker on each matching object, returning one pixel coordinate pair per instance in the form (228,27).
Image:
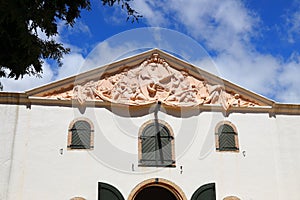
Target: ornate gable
(153,80)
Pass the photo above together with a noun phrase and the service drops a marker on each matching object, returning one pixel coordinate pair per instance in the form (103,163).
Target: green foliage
(125,5)
(22,50)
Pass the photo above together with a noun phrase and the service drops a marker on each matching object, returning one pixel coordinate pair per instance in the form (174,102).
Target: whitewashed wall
(8,123)
(265,168)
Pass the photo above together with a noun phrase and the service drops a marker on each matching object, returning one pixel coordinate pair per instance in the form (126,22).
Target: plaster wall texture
(8,123)
(37,165)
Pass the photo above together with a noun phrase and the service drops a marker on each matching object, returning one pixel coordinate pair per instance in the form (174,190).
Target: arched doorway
(155,192)
(157,188)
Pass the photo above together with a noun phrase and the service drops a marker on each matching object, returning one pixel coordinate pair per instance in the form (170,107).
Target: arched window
(81,134)
(226,137)
(156,145)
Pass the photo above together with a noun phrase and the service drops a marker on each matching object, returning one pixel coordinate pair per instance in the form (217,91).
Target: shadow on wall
(138,111)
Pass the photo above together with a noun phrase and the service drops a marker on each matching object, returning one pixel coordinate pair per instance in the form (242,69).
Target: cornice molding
(24,99)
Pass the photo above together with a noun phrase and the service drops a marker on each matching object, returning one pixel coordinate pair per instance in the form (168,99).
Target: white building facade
(149,126)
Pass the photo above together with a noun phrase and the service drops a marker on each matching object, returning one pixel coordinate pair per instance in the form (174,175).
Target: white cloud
(80,27)
(71,65)
(289,81)
(253,71)
(104,53)
(151,11)
(207,20)
(28,82)
(226,28)
(293,25)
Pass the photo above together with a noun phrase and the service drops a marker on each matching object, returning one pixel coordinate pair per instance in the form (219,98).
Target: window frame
(171,135)
(70,134)
(217,138)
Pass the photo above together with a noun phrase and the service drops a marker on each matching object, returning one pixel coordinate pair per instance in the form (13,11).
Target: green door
(205,192)
(108,192)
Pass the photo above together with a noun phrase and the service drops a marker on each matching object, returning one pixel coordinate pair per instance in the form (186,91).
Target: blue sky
(252,43)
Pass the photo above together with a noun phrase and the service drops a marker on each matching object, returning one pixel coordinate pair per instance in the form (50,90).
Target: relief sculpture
(154,80)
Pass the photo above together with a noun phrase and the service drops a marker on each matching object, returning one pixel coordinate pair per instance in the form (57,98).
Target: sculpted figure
(234,101)
(118,91)
(136,94)
(218,95)
(105,84)
(237,101)
(154,80)
(85,92)
(214,94)
(182,91)
(126,88)
(202,91)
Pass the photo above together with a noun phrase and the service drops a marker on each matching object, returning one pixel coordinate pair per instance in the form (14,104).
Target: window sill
(161,166)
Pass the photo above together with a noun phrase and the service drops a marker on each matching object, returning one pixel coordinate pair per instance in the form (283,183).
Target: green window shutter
(149,145)
(148,151)
(225,128)
(108,192)
(166,144)
(205,192)
(167,149)
(156,146)
(227,138)
(81,135)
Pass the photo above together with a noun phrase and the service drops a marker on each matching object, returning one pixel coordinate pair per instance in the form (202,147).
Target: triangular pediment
(153,76)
